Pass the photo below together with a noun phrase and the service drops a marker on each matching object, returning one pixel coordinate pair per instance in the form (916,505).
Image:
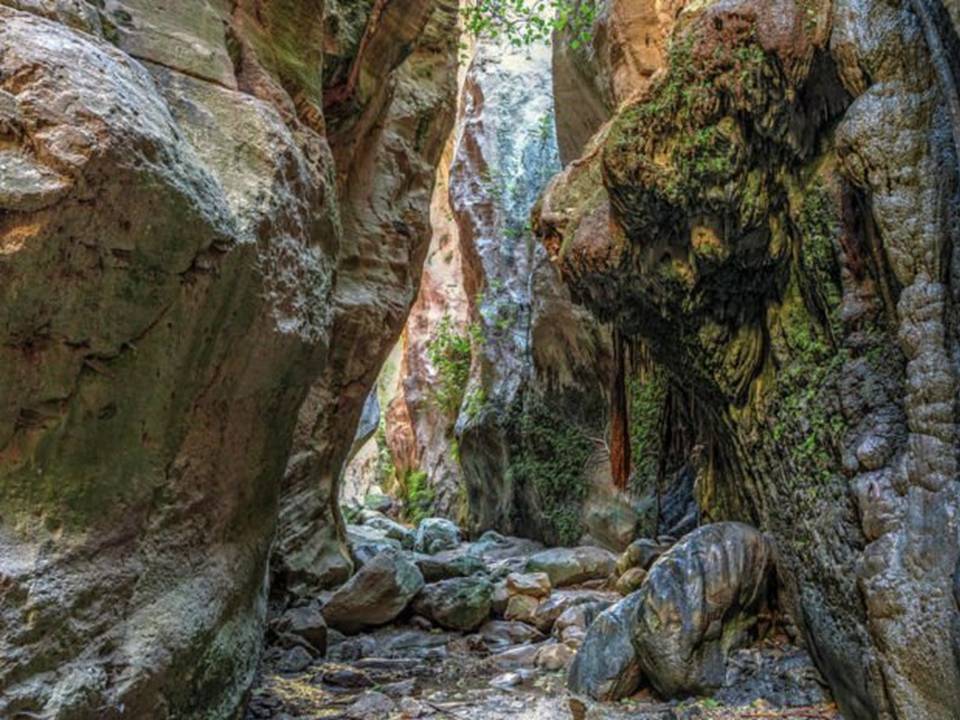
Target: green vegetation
(525,22)
(417,495)
(386,471)
(684,139)
(646,397)
(549,454)
(809,319)
(450,353)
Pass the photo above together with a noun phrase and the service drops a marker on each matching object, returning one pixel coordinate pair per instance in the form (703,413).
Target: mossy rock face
(767,270)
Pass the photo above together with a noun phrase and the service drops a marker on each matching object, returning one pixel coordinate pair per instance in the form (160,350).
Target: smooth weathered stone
(571,566)
(606,666)
(631,580)
(457,603)
(533,584)
(306,622)
(522,608)
(700,601)
(435,535)
(449,564)
(377,594)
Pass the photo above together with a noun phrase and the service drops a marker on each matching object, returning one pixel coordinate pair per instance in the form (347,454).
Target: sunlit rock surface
(188,242)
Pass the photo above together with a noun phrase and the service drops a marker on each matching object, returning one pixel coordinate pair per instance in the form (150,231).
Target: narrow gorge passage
(494,414)
(389,359)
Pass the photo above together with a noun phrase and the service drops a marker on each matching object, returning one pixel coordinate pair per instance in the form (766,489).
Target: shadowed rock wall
(774,215)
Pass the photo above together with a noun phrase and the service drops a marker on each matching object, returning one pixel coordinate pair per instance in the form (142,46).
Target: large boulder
(306,622)
(606,666)
(390,528)
(365,543)
(700,600)
(435,535)
(457,603)
(572,566)
(449,564)
(377,594)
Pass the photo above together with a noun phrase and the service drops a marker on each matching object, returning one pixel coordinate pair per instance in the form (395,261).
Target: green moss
(646,401)
(806,422)
(386,471)
(418,496)
(450,352)
(549,454)
(290,45)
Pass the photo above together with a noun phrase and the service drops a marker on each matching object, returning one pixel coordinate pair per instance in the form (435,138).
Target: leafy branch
(525,22)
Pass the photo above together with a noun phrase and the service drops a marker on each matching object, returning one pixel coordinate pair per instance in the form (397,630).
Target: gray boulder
(390,528)
(501,634)
(366,542)
(561,600)
(305,622)
(606,666)
(449,564)
(435,535)
(572,566)
(641,554)
(377,594)
(699,602)
(457,603)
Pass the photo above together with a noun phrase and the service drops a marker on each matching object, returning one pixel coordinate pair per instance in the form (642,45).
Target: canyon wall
(772,213)
(200,222)
(422,415)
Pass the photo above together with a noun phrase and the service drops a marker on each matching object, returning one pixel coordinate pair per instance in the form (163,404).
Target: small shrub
(450,353)
(418,496)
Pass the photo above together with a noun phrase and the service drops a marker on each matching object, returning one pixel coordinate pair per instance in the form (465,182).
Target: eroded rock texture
(532,425)
(389,117)
(420,427)
(774,215)
(191,236)
(702,599)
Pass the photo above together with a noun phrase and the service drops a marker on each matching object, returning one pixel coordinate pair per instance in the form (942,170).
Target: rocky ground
(434,627)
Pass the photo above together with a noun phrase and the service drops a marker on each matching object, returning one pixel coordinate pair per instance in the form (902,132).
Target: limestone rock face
(387,132)
(181,234)
(536,398)
(768,215)
(627,47)
(420,428)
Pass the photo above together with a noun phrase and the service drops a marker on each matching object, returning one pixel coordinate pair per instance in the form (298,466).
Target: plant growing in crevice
(647,394)
(450,353)
(418,495)
(386,470)
(549,454)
